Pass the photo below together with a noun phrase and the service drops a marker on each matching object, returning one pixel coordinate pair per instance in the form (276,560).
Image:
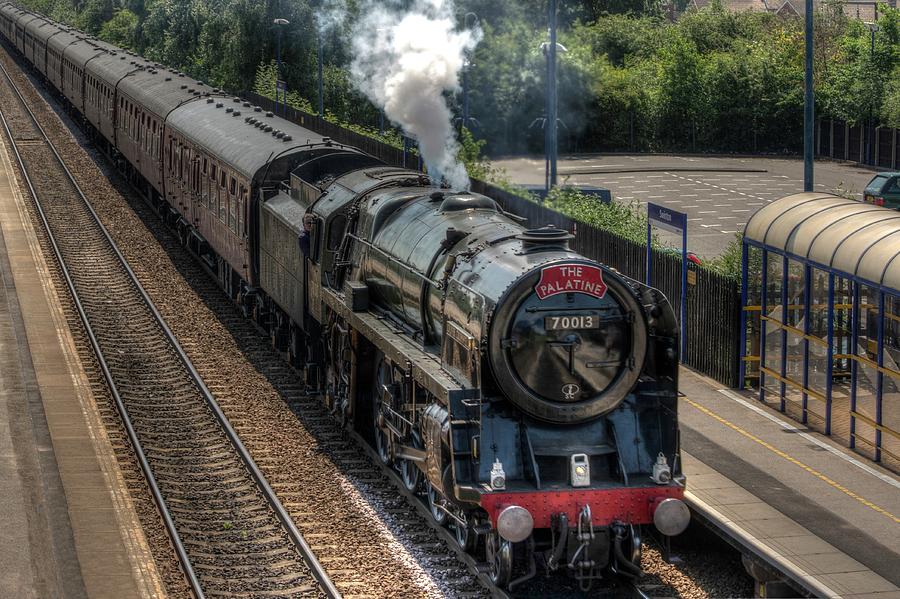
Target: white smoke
(405,56)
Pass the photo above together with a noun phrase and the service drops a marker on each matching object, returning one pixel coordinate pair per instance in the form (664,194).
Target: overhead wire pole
(809,104)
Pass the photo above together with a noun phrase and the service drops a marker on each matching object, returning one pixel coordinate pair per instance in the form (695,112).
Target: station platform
(790,495)
(69,527)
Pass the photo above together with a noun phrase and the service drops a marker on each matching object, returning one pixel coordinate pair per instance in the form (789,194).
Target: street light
(279,83)
(277,23)
(873,29)
(321,82)
(552,138)
(467,63)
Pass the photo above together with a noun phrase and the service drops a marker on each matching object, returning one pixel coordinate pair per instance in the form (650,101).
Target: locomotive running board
(425,367)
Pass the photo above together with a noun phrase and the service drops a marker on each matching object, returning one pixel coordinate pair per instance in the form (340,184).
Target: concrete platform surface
(69,527)
(830,513)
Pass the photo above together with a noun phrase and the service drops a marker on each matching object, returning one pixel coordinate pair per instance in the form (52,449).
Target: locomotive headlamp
(498,476)
(515,523)
(671,516)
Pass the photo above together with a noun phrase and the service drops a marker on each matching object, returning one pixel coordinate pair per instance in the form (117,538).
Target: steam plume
(406,55)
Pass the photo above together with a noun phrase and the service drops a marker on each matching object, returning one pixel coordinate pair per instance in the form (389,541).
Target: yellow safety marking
(794,461)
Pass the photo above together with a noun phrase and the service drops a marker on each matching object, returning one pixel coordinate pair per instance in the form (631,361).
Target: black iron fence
(713,301)
(873,146)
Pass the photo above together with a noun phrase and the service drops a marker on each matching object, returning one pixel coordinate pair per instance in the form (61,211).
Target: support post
(784,324)
(742,354)
(807,297)
(764,312)
(879,378)
(854,370)
(829,366)
(684,269)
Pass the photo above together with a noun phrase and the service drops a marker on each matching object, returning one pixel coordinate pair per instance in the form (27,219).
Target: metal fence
(873,146)
(713,302)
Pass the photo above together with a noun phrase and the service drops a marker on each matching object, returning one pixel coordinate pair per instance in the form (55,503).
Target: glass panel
(795,318)
(818,326)
(772,359)
(754,300)
(892,332)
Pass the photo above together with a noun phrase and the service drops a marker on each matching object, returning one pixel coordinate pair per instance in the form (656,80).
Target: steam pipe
(626,566)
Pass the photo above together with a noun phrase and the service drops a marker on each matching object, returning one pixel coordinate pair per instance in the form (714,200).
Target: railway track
(228,529)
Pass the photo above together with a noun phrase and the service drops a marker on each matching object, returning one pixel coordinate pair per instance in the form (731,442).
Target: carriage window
(242,212)
(222,180)
(212,172)
(204,165)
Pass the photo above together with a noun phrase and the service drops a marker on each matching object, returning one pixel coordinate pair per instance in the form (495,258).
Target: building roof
(861,240)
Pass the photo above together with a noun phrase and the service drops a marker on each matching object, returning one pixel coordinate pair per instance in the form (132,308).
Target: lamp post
(278,23)
(321,82)
(467,63)
(808,104)
(280,87)
(552,108)
(873,29)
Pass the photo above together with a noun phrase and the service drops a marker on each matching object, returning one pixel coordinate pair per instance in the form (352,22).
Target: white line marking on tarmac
(790,427)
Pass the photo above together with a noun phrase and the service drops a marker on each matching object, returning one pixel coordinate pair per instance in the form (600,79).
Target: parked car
(883,190)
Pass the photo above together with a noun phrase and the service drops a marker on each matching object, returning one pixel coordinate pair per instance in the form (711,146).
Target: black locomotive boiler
(530,394)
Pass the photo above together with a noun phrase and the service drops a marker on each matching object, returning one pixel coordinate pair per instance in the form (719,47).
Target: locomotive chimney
(545,238)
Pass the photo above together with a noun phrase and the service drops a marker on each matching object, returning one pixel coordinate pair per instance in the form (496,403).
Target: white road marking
(725,217)
(790,427)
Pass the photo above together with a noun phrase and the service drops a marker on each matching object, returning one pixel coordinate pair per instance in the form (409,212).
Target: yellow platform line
(794,461)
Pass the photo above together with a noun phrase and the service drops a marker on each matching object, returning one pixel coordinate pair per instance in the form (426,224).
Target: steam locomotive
(530,394)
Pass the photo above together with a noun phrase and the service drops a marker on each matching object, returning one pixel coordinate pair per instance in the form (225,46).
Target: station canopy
(834,233)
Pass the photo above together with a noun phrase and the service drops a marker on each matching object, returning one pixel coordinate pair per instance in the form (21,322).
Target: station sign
(666,218)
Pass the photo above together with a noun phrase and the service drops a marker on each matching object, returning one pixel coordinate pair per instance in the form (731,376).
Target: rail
(316,569)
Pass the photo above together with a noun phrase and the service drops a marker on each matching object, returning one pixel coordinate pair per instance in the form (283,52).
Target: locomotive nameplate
(570,278)
(565,323)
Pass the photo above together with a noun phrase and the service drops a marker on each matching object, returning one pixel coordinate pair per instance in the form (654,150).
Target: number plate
(559,323)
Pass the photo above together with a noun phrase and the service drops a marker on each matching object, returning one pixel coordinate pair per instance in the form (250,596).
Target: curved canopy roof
(858,239)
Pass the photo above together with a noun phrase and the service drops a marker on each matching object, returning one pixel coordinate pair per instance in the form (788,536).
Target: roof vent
(197,94)
(269,114)
(216,90)
(237,100)
(287,138)
(168,78)
(183,87)
(280,134)
(246,104)
(257,109)
(258,124)
(180,74)
(229,109)
(267,128)
(122,58)
(326,141)
(191,90)
(199,83)
(236,113)
(218,105)
(209,100)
